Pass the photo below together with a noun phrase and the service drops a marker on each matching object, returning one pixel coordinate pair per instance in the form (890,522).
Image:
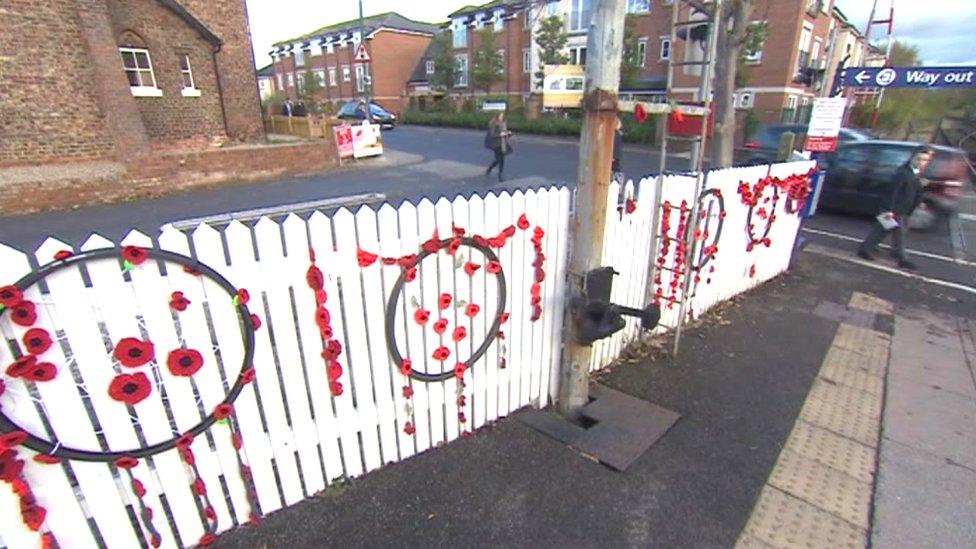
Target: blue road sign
(910,77)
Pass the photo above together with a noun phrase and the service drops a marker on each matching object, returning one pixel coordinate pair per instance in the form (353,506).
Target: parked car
(381,116)
(860,174)
(763,147)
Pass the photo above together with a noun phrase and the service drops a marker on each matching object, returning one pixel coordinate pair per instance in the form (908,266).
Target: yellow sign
(562,87)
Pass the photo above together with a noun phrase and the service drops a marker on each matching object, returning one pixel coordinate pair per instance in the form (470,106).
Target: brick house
(394,44)
(139,76)
(266,81)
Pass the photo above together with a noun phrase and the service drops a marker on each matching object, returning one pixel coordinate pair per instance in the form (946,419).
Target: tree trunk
(735,18)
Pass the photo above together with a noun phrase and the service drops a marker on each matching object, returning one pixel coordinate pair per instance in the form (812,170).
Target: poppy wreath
(127,387)
(765,210)
(706,235)
(797,188)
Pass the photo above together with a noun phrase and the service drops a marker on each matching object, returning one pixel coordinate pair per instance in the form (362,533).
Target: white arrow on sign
(862,76)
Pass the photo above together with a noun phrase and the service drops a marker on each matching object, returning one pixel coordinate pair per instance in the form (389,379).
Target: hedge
(545,125)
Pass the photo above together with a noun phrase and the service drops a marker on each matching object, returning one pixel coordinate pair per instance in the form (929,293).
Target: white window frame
(360,77)
(192,90)
(429,67)
(459,34)
(346,73)
(299,57)
(815,50)
(756,58)
(745,100)
(576,55)
(498,21)
(281,82)
(642,51)
(329,48)
(319,77)
(333,82)
(643,7)
(501,53)
(665,49)
(141,91)
(527,60)
(576,9)
(291,80)
(300,80)
(461,80)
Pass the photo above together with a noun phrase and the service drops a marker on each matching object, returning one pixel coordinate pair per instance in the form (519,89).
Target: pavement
(740,383)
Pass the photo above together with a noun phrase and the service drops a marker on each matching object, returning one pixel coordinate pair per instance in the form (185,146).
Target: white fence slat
(356,347)
(478,326)
(413,343)
(209,250)
(390,245)
(347,418)
(274,277)
(548,207)
(520,309)
(561,261)
(70,304)
(464,286)
(68,419)
(505,219)
(446,285)
(209,381)
(429,274)
(528,273)
(489,228)
(297,264)
(374,309)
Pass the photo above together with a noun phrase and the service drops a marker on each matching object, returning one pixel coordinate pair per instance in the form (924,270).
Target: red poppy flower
(46,459)
(389,261)
(210,513)
(431,246)
(505,317)
(440,326)
(441,354)
(408,261)
(178,302)
(335,388)
(471,268)
(126,462)
(23,313)
(190,270)
(752,271)
(454,246)
(540,275)
(252,519)
(207,539)
(535,300)
(536,290)
(326,332)
(502,363)
(130,388)
(199,487)
(509,231)
(444,301)
(497,242)
(223,410)
(36,340)
(42,371)
(767,242)
(321,297)
(462,418)
(407,392)
(314,278)
(138,488)
(630,206)
(408,428)
(61,255)
(256,321)
(639,113)
(365,258)
(332,350)
(10,466)
(187,456)
(21,366)
(494,267)
(421,316)
(134,254)
(472,310)
(322,317)
(462,401)
(237,441)
(33,516)
(184,441)
(536,313)
(334,371)
(523,222)
(406,365)
(184,362)
(459,333)
(132,352)
(459,370)
(242,297)
(480,241)
(10,296)
(501,334)
(11,439)
(247,376)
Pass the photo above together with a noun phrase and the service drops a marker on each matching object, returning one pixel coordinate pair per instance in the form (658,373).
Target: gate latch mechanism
(595,318)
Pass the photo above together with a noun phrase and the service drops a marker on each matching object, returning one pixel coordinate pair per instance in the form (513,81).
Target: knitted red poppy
(459,334)
(130,388)
(36,340)
(494,267)
(134,255)
(21,366)
(314,278)
(223,410)
(132,352)
(23,313)
(440,326)
(365,258)
(10,296)
(523,222)
(470,268)
(184,362)
(472,310)
(42,371)
(178,302)
(421,316)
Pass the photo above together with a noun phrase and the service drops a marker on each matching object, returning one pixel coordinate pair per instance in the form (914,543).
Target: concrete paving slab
(928,328)
(923,502)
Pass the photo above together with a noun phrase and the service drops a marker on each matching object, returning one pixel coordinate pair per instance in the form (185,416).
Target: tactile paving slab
(860,340)
(823,486)
(843,358)
(841,453)
(749,542)
(853,425)
(849,398)
(850,377)
(868,302)
(786,522)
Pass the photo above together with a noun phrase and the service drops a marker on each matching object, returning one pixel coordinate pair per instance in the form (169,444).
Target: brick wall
(45,115)
(394,55)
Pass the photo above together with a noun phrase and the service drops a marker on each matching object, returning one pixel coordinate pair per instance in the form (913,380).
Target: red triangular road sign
(362,55)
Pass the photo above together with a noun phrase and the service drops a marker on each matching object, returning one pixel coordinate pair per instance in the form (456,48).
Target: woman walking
(497,140)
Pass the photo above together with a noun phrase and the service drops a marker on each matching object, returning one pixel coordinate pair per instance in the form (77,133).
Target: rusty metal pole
(604,46)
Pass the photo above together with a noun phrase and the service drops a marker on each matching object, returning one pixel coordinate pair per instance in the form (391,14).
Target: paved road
(421,162)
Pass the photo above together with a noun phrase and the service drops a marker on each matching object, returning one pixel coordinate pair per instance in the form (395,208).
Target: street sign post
(825,123)
(362,56)
(910,77)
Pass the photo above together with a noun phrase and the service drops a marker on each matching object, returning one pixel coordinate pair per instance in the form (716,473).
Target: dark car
(353,111)
(764,146)
(859,176)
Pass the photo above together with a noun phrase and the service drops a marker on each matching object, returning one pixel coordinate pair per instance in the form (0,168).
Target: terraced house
(394,44)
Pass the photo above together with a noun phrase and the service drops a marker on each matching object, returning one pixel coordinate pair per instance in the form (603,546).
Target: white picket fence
(298,436)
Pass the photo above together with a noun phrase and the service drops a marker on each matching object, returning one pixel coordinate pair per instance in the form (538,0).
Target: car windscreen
(348,109)
(948,166)
(377,110)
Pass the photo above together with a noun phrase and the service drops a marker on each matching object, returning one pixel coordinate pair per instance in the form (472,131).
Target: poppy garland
(331,347)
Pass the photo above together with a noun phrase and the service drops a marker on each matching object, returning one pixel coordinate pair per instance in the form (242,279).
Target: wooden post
(604,45)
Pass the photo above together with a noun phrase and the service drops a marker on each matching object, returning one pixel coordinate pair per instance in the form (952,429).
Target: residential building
(117,80)
(393,42)
(266,81)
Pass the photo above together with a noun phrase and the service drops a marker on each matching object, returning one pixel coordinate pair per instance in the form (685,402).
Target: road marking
(920,253)
(826,252)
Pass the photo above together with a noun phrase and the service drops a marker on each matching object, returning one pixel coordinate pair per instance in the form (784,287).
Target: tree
(630,62)
(310,85)
(551,39)
(487,65)
(755,38)
(445,66)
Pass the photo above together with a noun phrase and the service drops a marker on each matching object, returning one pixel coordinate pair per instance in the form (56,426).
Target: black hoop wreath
(489,339)
(43,446)
(705,258)
(768,220)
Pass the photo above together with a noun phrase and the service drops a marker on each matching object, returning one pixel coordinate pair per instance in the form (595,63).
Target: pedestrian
(901,200)
(299,109)
(286,108)
(497,139)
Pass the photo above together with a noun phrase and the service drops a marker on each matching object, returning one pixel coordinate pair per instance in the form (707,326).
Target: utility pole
(604,46)
(366,72)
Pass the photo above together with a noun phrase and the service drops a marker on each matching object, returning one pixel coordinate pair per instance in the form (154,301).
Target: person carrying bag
(498,139)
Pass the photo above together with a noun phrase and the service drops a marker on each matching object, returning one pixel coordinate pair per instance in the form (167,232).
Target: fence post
(605,44)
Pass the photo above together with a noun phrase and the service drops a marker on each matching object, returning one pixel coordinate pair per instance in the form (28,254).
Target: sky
(940,28)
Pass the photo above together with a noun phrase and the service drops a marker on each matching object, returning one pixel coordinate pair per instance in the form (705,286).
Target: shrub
(468,105)
(548,125)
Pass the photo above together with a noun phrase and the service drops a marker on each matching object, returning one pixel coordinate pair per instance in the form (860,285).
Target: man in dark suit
(904,196)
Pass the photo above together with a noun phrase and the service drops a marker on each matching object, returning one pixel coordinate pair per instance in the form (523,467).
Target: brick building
(266,81)
(394,44)
(139,76)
